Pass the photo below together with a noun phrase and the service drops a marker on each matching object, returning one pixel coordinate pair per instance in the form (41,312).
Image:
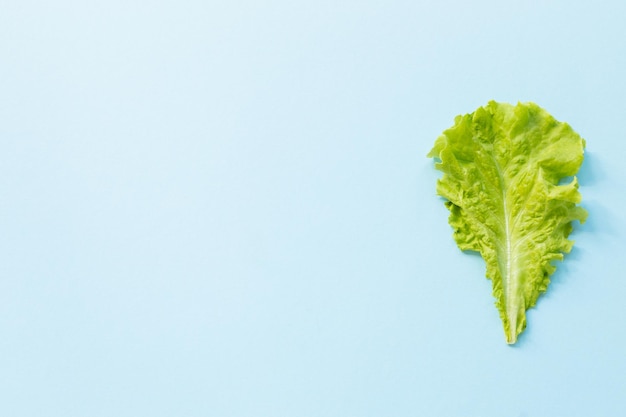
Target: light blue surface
(224,209)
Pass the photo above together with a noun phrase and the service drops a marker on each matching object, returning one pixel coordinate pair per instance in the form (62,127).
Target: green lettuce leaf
(504,168)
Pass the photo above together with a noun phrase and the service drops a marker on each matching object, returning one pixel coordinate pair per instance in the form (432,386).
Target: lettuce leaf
(504,168)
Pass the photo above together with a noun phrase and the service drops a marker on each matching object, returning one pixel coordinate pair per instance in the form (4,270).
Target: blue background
(225,209)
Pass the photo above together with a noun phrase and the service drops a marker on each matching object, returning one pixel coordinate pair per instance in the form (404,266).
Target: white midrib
(509,291)
(508,282)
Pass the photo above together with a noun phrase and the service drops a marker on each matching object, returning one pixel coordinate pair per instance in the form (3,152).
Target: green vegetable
(503,166)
